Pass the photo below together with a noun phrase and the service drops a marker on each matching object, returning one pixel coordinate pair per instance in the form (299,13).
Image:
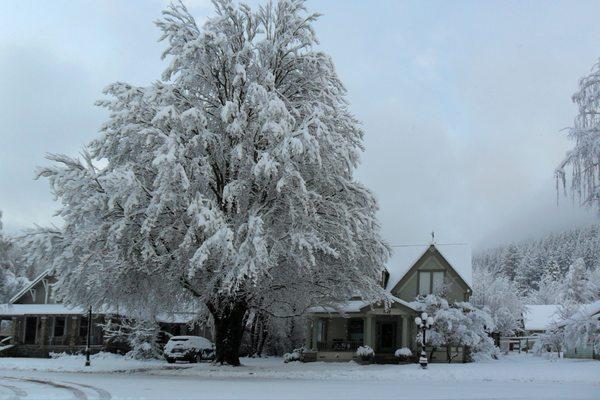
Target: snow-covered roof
(405,256)
(39,309)
(347,307)
(30,286)
(587,310)
(539,317)
(61,309)
(353,306)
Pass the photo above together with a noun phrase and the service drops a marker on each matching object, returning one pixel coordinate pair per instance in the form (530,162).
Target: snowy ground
(112,377)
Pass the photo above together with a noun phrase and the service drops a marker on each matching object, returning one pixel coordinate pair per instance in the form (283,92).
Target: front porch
(336,338)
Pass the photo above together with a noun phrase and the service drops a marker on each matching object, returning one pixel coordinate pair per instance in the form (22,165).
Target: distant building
(34,324)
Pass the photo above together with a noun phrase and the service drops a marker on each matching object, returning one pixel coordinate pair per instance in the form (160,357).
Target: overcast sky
(462,102)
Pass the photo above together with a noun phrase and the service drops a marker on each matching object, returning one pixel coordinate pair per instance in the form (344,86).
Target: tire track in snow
(77,393)
(18,393)
(102,394)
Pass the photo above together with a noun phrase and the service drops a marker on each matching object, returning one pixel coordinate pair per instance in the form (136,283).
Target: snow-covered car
(189,348)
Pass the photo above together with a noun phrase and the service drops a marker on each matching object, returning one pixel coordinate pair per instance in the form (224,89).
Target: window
(356,330)
(437,280)
(59,326)
(83,327)
(429,281)
(321,329)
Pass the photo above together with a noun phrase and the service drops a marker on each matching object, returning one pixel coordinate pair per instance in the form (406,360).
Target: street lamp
(88,338)
(423,322)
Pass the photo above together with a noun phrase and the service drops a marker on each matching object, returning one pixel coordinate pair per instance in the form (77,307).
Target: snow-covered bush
(459,324)
(365,353)
(403,354)
(140,336)
(293,356)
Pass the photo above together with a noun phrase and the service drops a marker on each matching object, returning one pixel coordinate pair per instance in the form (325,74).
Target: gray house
(336,332)
(34,324)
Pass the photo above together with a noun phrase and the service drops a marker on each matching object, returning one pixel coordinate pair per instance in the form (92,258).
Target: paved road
(15,385)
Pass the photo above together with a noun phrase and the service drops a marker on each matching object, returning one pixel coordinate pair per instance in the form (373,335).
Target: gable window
(429,281)
(59,326)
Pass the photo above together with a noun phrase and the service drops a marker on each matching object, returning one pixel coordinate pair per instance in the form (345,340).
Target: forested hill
(526,262)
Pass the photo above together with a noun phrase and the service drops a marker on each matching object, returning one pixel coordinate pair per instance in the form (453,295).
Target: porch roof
(16,310)
(355,306)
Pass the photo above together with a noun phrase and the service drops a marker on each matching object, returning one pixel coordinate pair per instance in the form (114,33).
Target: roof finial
(432,237)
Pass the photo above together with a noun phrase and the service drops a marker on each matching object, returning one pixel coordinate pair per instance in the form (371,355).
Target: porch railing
(339,345)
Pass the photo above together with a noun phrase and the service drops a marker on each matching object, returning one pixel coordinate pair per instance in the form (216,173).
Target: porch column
(43,333)
(16,330)
(72,331)
(368,334)
(313,333)
(405,332)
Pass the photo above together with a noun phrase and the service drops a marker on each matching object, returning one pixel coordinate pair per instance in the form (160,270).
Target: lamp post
(89,335)
(423,322)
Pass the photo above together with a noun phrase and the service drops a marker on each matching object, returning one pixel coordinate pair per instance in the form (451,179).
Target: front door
(386,337)
(30,329)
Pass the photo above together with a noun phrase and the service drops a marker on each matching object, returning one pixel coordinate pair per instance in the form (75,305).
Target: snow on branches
(458,324)
(229,183)
(584,158)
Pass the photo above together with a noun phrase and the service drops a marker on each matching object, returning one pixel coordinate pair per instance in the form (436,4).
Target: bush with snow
(365,353)
(293,356)
(141,336)
(459,324)
(403,354)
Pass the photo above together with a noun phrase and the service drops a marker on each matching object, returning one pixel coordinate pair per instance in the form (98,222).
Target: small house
(337,332)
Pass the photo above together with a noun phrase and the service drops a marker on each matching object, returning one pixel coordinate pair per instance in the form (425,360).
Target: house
(537,319)
(414,270)
(34,324)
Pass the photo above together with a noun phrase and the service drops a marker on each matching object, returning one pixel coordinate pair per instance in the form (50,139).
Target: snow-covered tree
(12,266)
(577,283)
(226,186)
(511,260)
(583,327)
(584,158)
(458,324)
(498,296)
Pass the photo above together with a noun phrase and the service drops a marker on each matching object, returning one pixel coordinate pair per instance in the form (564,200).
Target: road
(15,385)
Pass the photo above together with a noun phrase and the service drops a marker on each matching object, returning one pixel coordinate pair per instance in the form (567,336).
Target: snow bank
(521,368)
(101,362)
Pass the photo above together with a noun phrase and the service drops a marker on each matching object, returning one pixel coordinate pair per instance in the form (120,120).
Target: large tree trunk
(229,328)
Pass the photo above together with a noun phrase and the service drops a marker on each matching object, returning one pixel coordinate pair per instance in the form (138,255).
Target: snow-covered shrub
(403,354)
(293,356)
(143,341)
(365,353)
(553,340)
(141,337)
(459,324)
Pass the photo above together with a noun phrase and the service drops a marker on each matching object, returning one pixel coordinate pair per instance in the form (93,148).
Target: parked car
(189,348)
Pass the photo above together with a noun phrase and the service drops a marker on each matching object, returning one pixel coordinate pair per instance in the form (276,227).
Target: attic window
(429,281)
